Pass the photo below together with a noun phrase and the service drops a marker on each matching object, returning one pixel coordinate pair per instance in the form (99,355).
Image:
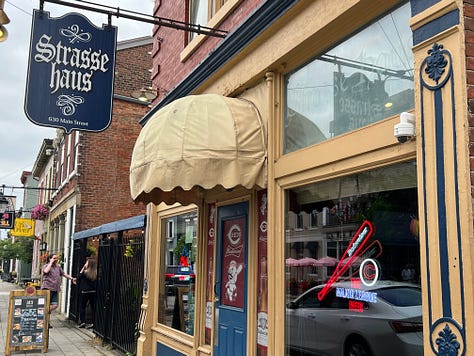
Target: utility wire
(19,8)
(400,39)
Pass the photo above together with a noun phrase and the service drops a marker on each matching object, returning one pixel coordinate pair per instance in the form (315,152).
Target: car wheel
(357,347)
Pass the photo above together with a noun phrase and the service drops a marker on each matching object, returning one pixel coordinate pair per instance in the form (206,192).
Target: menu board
(28,320)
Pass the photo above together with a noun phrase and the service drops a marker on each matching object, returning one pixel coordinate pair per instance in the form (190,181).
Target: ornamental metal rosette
(444,263)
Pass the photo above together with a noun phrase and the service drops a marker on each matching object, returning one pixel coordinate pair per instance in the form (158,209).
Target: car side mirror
(292,305)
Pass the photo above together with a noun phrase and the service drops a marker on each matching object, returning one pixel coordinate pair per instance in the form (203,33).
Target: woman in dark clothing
(87,283)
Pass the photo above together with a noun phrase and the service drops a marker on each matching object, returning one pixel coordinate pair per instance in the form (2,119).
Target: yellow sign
(23,227)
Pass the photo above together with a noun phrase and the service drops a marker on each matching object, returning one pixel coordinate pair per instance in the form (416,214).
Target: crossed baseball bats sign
(359,247)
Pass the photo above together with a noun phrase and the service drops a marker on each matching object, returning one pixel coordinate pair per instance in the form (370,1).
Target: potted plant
(40,212)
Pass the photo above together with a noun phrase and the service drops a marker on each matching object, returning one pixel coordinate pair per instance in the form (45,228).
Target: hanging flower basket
(40,212)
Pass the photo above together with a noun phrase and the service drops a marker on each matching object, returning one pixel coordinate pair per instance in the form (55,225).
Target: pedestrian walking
(87,285)
(52,275)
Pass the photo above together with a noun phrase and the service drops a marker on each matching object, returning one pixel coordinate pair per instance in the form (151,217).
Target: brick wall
(168,70)
(131,69)
(104,157)
(469,33)
(104,171)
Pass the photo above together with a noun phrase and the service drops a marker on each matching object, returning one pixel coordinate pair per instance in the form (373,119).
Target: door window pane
(358,268)
(366,78)
(178,271)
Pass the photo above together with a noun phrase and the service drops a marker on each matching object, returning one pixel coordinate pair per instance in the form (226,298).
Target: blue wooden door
(231,280)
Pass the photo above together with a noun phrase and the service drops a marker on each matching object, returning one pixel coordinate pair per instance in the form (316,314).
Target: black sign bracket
(137,16)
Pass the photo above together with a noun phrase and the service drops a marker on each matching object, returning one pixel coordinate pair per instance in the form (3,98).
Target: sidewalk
(64,337)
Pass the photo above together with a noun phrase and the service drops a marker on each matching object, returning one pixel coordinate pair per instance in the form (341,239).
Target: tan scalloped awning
(198,142)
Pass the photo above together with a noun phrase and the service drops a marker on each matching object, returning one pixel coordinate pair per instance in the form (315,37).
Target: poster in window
(210,270)
(262,299)
(233,263)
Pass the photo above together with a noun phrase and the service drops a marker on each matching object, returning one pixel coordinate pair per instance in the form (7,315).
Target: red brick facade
(132,69)
(469,33)
(100,181)
(168,70)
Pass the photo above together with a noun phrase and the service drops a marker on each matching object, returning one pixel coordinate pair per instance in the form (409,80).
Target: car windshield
(401,296)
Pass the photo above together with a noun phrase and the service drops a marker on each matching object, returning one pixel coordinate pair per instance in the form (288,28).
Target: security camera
(405,130)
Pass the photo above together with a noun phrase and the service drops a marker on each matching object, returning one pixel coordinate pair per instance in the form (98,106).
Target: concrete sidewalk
(65,338)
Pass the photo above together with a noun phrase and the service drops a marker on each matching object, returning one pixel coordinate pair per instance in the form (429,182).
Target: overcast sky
(20,139)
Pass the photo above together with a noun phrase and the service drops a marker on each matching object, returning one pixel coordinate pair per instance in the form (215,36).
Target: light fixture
(145,95)
(44,246)
(3,21)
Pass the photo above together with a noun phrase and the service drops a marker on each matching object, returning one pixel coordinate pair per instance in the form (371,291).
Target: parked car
(385,319)
(176,276)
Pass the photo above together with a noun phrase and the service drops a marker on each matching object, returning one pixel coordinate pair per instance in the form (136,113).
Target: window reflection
(198,14)
(178,271)
(348,244)
(364,79)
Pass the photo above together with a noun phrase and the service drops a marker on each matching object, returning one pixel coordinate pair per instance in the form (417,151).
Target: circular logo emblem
(369,272)
(30,290)
(263,226)
(211,232)
(234,234)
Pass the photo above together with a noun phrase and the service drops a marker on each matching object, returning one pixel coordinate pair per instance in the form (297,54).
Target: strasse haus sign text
(70,73)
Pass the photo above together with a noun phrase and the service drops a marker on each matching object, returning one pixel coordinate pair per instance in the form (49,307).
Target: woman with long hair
(87,285)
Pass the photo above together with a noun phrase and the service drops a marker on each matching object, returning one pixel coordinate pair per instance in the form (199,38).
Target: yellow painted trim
(354,145)
(148,306)
(432,13)
(252,268)
(162,333)
(453,41)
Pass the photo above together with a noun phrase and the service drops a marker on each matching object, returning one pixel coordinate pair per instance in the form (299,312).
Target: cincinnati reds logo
(234,235)
(369,272)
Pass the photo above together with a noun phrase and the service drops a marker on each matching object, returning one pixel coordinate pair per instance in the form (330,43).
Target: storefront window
(353,277)
(178,271)
(366,78)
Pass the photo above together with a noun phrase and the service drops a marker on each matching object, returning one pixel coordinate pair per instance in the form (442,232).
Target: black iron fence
(119,287)
(79,257)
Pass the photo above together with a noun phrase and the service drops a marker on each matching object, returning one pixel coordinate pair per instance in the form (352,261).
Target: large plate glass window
(352,263)
(366,78)
(178,271)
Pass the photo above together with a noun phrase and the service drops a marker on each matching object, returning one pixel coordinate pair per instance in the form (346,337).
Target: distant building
(89,170)
(43,172)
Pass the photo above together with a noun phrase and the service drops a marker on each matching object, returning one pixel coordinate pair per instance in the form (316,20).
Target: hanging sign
(7,220)
(70,73)
(23,227)
(7,215)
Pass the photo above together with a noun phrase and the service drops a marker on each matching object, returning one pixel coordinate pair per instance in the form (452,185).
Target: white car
(355,320)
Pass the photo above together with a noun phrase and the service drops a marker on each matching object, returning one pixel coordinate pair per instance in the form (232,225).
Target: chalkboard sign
(28,320)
